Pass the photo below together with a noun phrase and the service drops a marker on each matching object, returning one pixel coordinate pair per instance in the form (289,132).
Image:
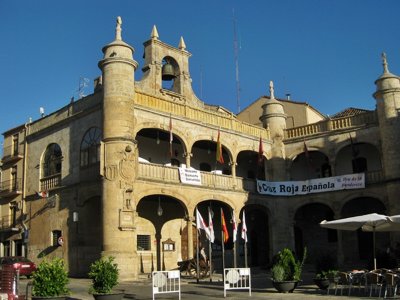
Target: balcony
(50,182)
(364,119)
(12,153)
(10,188)
(8,223)
(170,175)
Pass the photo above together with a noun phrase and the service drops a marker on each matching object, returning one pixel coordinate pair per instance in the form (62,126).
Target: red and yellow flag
(219,156)
(223,227)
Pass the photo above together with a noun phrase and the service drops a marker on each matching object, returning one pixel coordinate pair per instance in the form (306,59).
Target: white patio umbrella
(370,222)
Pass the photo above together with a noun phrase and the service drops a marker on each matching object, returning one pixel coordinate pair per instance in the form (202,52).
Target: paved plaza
(190,289)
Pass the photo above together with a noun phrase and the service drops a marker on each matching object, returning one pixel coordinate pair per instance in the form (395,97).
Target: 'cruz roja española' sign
(318,185)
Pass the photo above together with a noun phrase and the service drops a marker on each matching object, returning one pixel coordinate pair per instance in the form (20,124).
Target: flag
(244,228)
(43,194)
(171,136)
(211,225)
(234,226)
(200,224)
(260,152)
(219,156)
(223,227)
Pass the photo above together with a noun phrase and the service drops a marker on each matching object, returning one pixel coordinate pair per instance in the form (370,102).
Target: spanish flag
(219,156)
(223,227)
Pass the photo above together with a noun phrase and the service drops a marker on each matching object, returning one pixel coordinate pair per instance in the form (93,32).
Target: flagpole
(245,254)
(197,254)
(223,249)
(209,241)
(210,259)
(234,255)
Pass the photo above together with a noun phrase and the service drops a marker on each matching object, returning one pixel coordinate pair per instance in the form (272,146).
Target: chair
(373,281)
(344,282)
(358,279)
(391,281)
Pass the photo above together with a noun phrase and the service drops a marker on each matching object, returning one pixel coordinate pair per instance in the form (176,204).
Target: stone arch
(155,143)
(174,68)
(310,164)
(259,235)
(160,217)
(249,165)
(307,231)
(357,245)
(348,159)
(204,151)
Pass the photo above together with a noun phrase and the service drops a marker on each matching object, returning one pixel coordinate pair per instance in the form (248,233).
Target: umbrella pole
(373,238)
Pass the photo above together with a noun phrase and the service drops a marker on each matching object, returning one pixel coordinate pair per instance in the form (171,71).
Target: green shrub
(104,274)
(291,267)
(278,273)
(330,274)
(50,279)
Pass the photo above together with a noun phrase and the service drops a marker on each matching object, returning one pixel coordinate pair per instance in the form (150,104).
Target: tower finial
(182,44)
(271,89)
(384,63)
(118,29)
(154,33)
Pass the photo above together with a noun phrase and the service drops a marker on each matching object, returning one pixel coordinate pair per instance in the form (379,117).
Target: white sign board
(190,176)
(318,185)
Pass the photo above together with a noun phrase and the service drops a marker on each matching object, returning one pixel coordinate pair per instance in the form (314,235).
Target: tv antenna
(236,51)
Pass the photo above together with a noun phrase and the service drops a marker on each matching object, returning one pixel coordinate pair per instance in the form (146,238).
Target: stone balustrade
(359,120)
(200,115)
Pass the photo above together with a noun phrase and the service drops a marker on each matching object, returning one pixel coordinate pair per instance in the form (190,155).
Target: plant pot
(114,296)
(322,283)
(285,286)
(63,297)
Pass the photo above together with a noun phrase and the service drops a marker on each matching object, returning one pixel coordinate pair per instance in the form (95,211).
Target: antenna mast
(236,50)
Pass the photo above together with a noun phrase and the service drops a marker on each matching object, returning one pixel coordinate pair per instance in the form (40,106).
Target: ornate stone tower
(274,118)
(167,65)
(387,97)
(118,153)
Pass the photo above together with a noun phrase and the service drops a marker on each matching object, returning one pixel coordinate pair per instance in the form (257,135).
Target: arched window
(52,160)
(90,147)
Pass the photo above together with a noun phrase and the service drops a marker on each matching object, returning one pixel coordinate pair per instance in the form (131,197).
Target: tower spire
(118,29)
(384,63)
(182,44)
(154,33)
(271,89)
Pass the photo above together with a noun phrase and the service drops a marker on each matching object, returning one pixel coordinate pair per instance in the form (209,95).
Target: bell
(168,72)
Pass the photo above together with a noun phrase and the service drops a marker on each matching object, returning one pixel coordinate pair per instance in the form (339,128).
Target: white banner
(318,185)
(190,176)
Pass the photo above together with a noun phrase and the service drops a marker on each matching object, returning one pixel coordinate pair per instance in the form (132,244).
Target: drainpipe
(25,228)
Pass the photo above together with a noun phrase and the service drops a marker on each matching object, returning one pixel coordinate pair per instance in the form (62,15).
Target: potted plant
(326,271)
(325,279)
(286,270)
(104,274)
(50,280)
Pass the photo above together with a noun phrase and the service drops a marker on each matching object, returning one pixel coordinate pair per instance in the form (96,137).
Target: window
(90,147)
(55,236)
(15,144)
(14,181)
(52,160)
(143,242)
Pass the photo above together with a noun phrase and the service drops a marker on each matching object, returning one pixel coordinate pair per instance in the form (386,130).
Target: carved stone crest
(111,172)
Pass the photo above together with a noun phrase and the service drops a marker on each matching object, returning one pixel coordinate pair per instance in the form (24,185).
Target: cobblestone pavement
(190,289)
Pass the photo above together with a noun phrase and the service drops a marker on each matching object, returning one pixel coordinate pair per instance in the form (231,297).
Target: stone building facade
(121,172)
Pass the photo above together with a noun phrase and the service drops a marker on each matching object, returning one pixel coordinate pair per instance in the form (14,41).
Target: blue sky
(326,53)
